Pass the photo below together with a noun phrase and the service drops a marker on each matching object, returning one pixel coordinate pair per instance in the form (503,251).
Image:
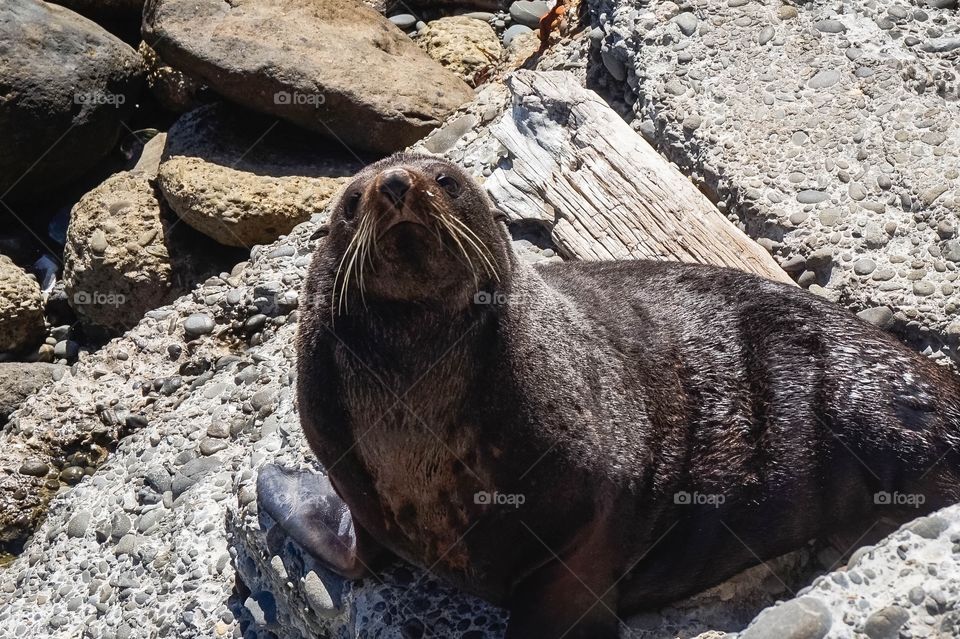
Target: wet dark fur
(598,391)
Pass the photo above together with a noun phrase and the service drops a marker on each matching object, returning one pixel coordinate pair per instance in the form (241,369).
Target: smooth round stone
(34,468)
(210,446)
(512,32)
(929,527)
(404,20)
(766,35)
(66,349)
(886,622)
(71,475)
(879,316)
(824,79)
(809,196)
(803,618)
(687,22)
(864,266)
(198,324)
(923,288)
(529,12)
(317,595)
(77,526)
(830,26)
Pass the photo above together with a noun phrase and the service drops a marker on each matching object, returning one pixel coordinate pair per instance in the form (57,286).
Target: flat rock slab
(830,132)
(333,66)
(67,86)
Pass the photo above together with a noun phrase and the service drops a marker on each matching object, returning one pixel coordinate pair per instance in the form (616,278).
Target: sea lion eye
(450,185)
(350,210)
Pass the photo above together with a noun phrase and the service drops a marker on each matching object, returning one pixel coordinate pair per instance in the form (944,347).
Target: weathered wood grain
(575,165)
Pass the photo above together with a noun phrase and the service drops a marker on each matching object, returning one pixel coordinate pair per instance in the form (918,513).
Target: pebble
(198,324)
(829,26)
(34,468)
(210,446)
(766,35)
(404,20)
(864,266)
(885,623)
(71,475)
(529,12)
(77,526)
(519,29)
(687,22)
(824,79)
(810,196)
(803,618)
(878,316)
(613,65)
(66,349)
(317,595)
(127,545)
(928,527)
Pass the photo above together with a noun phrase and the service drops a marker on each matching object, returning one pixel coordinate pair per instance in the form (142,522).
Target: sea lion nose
(394,183)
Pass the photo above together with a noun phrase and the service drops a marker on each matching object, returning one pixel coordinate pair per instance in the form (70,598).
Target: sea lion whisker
(334,299)
(453,233)
(483,252)
(478,245)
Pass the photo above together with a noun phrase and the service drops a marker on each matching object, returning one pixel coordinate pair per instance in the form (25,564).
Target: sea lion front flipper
(307,507)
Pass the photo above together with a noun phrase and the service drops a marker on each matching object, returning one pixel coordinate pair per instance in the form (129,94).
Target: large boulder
(333,66)
(245,180)
(21,308)
(126,253)
(66,87)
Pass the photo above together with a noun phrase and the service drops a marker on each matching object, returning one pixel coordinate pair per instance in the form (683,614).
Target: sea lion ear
(322,231)
(500,216)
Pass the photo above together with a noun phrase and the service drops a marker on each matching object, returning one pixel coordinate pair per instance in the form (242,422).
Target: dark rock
(68,85)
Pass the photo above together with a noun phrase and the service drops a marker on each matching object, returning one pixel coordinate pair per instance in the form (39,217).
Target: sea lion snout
(394,184)
(395,199)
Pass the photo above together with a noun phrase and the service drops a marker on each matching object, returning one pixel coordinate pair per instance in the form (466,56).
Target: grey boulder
(67,87)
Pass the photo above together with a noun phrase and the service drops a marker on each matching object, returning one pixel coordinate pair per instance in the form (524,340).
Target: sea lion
(579,441)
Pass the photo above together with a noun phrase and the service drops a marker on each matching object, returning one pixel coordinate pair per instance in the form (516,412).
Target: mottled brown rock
(333,66)
(126,254)
(21,308)
(468,47)
(244,180)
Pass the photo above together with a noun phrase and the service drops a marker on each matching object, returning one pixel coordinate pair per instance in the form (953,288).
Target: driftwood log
(605,193)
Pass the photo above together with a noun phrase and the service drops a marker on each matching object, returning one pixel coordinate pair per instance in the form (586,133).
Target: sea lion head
(418,229)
